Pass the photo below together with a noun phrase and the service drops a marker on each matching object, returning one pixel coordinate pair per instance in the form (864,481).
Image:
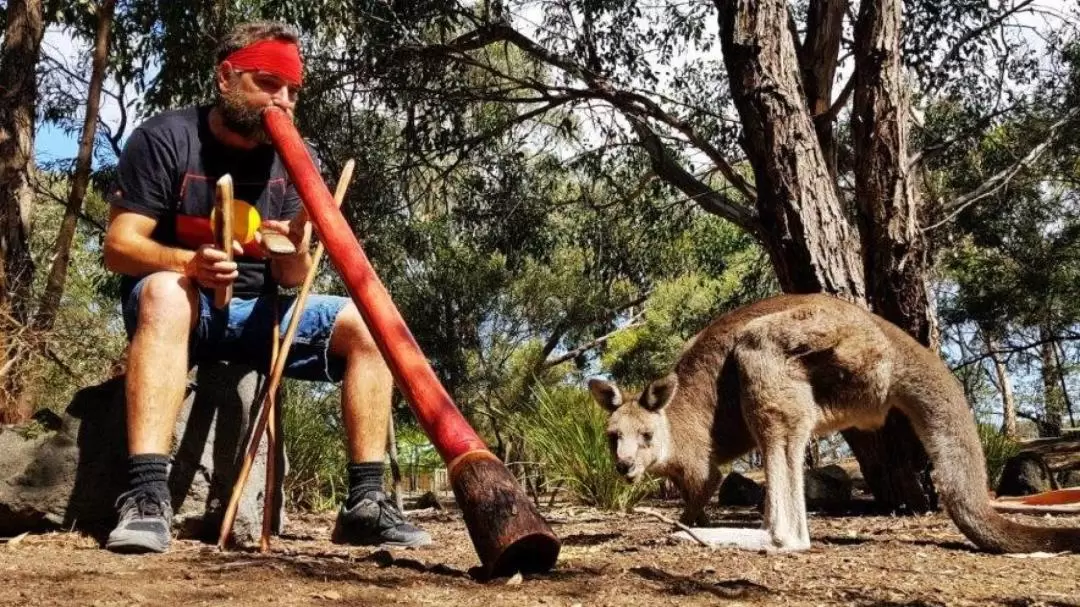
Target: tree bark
(885,192)
(1008,399)
(812,242)
(818,59)
(45,316)
(18,98)
(1053,397)
(887,203)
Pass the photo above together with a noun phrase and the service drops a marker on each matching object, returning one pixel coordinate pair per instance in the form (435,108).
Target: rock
(1025,474)
(73,475)
(827,488)
(1068,478)
(428,500)
(737,490)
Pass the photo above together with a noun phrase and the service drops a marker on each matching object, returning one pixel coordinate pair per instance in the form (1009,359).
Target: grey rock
(827,488)
(1068,478)
(1025,474)
(71,476)
(737,490)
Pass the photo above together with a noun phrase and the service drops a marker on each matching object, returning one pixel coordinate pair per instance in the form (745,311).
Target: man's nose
(623,466)
(283,98)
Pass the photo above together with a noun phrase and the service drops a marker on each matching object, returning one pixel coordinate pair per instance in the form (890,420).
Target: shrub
(997,449)
(314,442)
(565,429)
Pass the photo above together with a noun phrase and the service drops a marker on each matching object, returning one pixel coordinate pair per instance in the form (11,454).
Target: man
(159,239)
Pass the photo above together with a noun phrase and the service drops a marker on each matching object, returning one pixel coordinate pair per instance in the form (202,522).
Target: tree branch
(1004,176)
(978,31)
(631,103)
(668,168)
(585,347)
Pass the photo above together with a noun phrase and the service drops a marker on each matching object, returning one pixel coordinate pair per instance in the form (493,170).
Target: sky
(53,144)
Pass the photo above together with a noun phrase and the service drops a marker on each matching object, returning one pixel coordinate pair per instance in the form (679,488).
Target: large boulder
(1025,473)
(70,474)
(737,490)
(828,488)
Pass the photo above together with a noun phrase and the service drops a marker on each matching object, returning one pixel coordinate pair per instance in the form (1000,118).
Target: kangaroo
(776,372)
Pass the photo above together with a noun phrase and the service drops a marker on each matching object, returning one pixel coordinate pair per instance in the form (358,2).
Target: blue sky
(53,144)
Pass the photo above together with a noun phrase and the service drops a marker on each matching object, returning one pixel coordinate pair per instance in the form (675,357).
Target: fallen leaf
(18,538)
(515,580)
(1036,555)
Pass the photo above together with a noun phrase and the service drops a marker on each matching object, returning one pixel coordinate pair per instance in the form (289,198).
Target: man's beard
(241,118)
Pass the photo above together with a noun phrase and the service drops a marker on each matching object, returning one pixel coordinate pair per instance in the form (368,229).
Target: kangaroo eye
(647,437)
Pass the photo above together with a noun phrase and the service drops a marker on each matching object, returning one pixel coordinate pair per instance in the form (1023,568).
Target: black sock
(149,473)
(363,478)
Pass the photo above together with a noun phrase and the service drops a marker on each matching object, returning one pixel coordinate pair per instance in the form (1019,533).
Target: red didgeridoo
(506,529)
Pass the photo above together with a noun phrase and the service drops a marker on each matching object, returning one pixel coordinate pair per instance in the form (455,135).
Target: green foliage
(314,442)
(566,430)
(997,449)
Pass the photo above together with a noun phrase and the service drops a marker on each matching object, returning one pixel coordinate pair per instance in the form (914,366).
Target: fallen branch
(671,521)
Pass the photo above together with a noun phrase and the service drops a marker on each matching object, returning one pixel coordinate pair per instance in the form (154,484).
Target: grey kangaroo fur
(776,372)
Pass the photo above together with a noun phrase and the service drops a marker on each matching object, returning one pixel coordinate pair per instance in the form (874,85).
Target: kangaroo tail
(934,401)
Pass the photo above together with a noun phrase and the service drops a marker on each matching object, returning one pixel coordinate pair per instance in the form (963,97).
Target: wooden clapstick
(223,229)
(277,243)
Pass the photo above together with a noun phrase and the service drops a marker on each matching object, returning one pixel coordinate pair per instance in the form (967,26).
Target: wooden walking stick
(506,529)
(277,368)
(223,229)
(272,445)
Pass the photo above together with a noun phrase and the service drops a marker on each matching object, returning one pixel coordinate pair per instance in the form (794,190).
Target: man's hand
(298,229)
(210,268)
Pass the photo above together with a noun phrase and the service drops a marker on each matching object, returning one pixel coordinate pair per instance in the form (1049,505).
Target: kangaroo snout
(623,467)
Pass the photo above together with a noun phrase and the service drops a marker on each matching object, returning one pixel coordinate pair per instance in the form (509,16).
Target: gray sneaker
(375,520)
(145,524)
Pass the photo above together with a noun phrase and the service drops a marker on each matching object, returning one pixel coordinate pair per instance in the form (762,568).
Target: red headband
(278,57)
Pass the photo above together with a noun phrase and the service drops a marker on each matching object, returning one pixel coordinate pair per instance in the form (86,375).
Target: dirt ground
(607,559)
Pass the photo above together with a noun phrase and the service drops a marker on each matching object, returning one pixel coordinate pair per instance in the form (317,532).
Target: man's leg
(368,516)
(165,308)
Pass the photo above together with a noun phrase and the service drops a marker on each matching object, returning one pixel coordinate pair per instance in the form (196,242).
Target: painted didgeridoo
(506,529)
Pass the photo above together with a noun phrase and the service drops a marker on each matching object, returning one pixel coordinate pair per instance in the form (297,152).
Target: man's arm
(130,250)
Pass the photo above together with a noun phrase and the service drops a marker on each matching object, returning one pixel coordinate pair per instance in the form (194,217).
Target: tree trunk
(885,193)
(1063,371)
(818,59)
(18,98)
(1008,400)
(811,241)
(54,285)
(1053,397)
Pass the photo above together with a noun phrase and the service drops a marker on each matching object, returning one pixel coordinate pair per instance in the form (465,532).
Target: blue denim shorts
(241,332)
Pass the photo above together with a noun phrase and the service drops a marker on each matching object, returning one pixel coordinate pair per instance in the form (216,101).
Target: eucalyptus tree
(800,130)
(19,50)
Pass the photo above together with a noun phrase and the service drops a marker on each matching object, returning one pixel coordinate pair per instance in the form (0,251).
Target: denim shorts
(241,332)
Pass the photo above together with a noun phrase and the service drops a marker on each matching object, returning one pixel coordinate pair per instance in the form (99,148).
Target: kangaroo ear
(659,393)
(606,394)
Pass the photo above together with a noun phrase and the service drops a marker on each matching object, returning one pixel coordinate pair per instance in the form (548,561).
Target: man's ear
(659,393)
(606,394)
(222,74)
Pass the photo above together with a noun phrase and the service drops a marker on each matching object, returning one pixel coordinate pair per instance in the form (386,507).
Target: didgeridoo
(506,529)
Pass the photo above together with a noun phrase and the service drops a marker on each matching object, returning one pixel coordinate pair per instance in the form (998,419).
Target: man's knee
(351,336)
(167,299)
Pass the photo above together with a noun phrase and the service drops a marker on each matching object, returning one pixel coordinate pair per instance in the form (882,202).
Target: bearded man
(159,238)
